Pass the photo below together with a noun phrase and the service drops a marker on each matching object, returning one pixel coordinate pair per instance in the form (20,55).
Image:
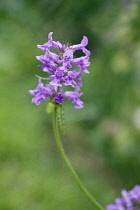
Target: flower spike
(60,69)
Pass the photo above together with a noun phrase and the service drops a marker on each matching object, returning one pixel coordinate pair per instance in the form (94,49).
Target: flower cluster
(62,71)
(130,200)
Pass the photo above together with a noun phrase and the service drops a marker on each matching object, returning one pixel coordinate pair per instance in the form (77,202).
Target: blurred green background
(101,140)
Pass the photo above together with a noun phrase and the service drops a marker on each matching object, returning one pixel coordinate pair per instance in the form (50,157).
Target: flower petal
(84,41)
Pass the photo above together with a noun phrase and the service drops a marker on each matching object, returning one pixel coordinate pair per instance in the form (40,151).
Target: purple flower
(82,45)
(59,98)
(82,62)
(60,67)
(57,78)
(41,92)
(130,200)
(74,97)
(70,78)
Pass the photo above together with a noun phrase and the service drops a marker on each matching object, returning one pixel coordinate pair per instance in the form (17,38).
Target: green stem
(64,157)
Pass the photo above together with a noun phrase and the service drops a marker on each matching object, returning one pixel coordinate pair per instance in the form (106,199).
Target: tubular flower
(61,70)
(130,200)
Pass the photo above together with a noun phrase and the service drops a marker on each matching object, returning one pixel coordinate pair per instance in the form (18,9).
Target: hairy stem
(66,160)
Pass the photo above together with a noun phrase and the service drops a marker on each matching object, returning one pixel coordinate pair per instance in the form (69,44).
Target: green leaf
(49,107)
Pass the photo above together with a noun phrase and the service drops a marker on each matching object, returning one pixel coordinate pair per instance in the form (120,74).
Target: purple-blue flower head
(130,200)
(60,68)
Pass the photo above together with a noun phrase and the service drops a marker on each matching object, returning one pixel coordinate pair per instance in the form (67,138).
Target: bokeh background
(101,140)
